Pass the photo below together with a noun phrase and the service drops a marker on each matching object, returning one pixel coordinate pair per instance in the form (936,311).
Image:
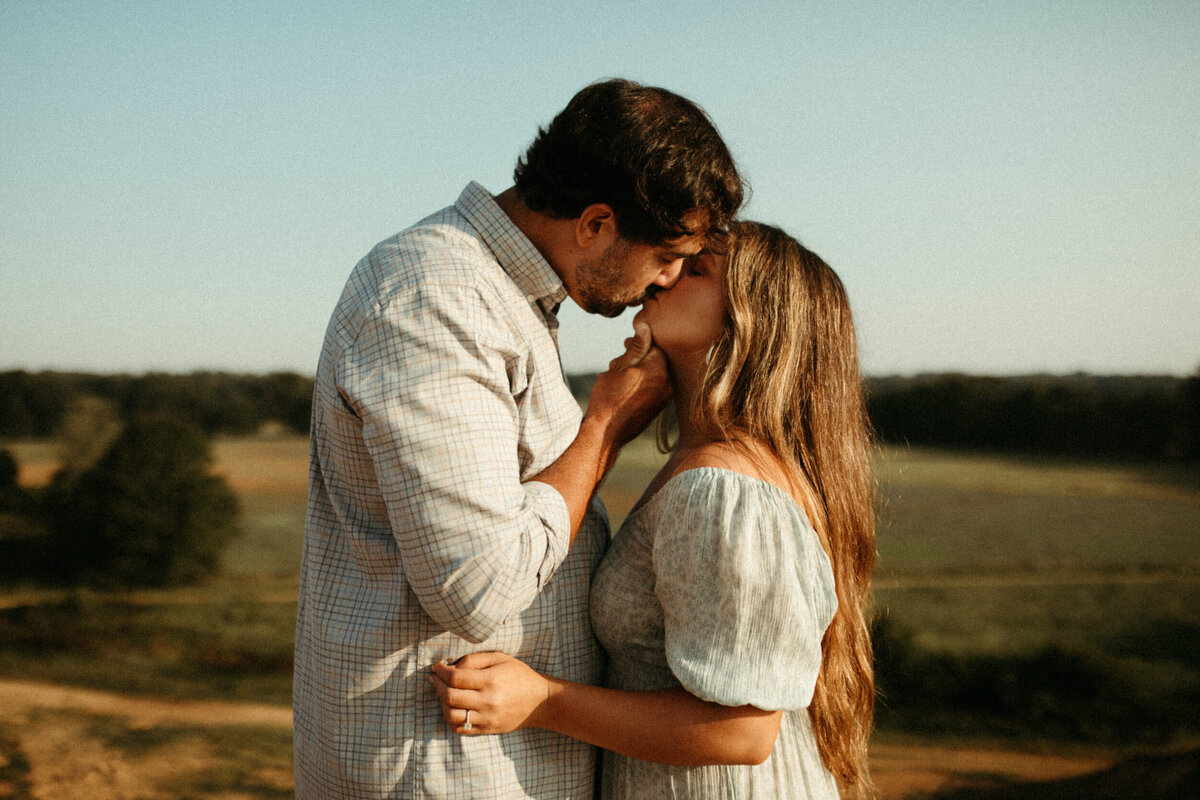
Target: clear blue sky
(1005,187)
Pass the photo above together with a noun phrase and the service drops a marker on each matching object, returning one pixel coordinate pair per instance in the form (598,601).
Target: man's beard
(604,285)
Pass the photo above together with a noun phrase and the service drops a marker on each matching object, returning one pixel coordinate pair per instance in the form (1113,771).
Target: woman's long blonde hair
(785,373)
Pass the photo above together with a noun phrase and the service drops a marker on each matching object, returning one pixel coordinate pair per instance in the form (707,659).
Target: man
(451,477)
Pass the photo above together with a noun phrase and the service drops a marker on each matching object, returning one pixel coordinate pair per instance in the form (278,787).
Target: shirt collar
(520,259)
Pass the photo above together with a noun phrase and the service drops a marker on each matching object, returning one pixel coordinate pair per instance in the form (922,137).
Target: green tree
(287,398)
(20,533)
(88,429)
(148,513)
(1190,415)
(13,499)
(8,471)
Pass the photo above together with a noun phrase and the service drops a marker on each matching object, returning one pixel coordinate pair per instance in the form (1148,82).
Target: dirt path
(52,732)
(21,697)
(66,762)
(901,770)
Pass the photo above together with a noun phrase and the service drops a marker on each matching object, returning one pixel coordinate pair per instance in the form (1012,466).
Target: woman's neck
(686,380)
(756,457)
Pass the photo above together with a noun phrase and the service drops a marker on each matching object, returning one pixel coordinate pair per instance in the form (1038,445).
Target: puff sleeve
(746,589)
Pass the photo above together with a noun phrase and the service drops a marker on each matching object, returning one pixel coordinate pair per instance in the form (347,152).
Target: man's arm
(623,402)
(428,378)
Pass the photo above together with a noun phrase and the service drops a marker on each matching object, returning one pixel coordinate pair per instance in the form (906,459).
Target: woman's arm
(669,726)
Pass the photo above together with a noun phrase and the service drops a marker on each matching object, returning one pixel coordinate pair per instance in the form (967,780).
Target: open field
(81,744)
(981,560)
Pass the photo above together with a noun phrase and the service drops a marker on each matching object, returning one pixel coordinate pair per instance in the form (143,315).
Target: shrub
(1052,692)
(148,513)
(10,492)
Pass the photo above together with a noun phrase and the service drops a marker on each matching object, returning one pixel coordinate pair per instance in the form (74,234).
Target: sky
(1004,187)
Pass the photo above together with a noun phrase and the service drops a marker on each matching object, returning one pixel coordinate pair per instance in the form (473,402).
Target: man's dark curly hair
(647,152)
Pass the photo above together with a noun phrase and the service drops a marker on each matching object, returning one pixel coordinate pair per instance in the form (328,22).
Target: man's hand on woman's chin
(633,390)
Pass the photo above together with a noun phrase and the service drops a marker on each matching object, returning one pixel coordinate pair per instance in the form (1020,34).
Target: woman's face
(686,320)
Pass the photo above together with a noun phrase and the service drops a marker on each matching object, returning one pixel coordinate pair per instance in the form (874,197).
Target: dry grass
(254,466)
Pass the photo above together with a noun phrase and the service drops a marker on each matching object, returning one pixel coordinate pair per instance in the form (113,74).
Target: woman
(731,602)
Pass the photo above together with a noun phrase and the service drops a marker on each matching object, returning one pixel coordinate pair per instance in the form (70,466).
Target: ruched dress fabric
(719,584)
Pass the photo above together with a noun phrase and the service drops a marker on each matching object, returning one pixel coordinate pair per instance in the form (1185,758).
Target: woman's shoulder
(723,487)
(735,463)
(718,475)
(735,457)
(734,496)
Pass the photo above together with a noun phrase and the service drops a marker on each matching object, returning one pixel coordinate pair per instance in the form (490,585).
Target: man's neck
(511,204)
(543,232)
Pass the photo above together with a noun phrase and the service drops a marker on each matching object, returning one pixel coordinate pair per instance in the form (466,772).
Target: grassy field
(1034,598)
(987,564)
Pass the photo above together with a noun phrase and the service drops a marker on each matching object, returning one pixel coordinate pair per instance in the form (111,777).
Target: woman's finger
(465,721)
(482,660)
(458,677)
(461,720)
(451,697)
(456,708)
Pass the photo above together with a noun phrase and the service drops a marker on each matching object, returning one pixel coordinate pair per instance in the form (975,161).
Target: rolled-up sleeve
(432,375)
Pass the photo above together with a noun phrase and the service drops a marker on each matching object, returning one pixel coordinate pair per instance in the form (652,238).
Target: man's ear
(596,226)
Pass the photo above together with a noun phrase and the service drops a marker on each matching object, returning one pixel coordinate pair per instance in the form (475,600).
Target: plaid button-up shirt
(439,394)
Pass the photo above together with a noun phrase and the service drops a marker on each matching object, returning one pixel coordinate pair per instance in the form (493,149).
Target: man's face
(623,274)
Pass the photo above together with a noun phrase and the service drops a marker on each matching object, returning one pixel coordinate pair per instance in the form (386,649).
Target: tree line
(1136,416)
(1156,417)
(1150,417)
(38,404)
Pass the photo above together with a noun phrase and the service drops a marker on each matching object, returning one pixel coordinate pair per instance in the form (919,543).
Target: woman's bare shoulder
(748,459)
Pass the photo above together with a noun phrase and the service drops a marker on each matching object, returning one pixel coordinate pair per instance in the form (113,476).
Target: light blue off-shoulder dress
(719,584)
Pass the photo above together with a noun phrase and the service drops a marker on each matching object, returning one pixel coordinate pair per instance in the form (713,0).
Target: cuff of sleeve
(772,684)
(551,509)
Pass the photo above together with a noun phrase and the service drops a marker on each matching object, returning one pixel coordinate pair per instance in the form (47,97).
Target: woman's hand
(669,726)
(501,693)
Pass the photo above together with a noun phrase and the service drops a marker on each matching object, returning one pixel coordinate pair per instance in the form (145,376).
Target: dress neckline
(771,488)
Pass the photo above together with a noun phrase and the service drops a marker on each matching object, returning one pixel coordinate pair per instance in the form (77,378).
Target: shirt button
(530,298)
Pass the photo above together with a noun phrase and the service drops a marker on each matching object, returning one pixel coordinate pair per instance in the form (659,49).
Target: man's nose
(667,278)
